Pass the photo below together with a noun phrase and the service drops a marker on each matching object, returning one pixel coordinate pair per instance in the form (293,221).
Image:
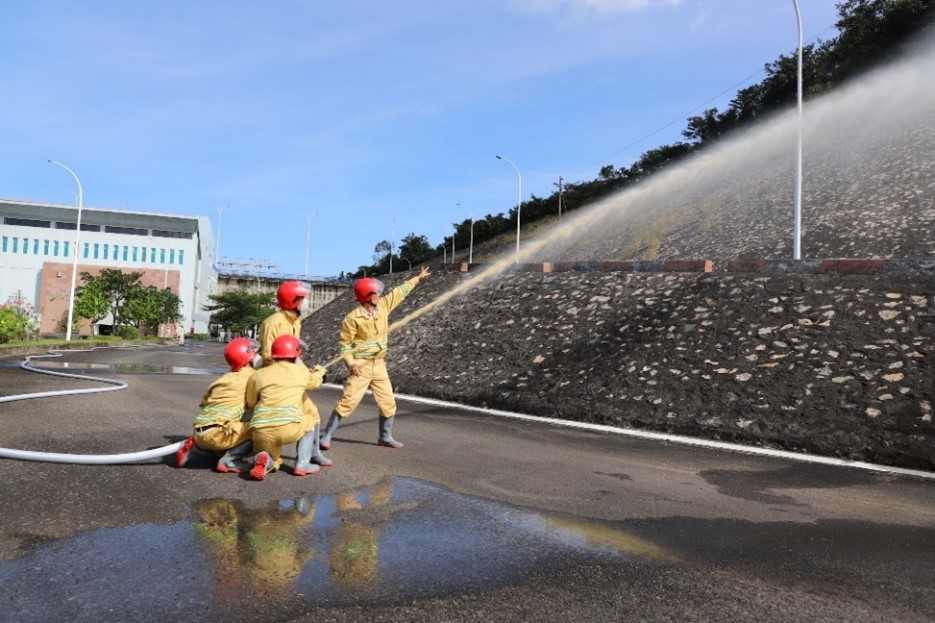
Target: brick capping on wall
(766,267)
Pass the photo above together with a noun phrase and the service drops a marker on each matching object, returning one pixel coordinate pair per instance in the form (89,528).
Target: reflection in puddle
(398,540)
(124,367)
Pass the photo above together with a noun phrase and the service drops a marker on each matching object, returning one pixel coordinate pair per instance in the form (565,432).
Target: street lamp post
(471,247)
(797,227)
(519,199)
(217,243)
(74,263)
(392,244)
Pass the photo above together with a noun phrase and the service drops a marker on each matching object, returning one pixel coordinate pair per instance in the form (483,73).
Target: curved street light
(519,200)
(74,263)
(471,247)
(797,227)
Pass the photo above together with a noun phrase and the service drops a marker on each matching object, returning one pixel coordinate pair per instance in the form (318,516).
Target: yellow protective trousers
(271,439)
(372,374)
(222,437)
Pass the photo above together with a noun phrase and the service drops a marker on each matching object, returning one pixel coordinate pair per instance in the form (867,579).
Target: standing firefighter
(275,393)
(292,300)
(218,428)
(363,345)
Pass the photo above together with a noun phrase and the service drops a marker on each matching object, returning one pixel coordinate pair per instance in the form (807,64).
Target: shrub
(14,324)
(128,333)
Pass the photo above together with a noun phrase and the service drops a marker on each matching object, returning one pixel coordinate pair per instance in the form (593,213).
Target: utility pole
(559,197)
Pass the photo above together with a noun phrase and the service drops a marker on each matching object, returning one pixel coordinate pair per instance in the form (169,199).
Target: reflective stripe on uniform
(274,416)
(216,414)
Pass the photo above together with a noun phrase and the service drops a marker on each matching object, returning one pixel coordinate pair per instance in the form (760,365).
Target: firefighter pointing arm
(363,344)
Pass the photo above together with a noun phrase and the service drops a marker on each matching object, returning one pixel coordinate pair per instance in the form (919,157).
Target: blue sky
(334,120)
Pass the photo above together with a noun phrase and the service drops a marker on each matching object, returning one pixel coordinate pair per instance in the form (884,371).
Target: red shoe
(181,456)
(392,443)
(260,466)
(224,469)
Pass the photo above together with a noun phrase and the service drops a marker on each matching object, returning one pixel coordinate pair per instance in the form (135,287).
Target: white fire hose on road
(78,459)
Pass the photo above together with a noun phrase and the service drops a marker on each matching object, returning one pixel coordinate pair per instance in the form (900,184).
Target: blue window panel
(135,249)
(162,256)
(15,244)
(152,255)
(181,257)
(55,248)
(67,246)
(97,249)
(35,246)
(25,246)
(5,242)
(105,250)
(172,256)
(125,250)
(45,247)
(87,249)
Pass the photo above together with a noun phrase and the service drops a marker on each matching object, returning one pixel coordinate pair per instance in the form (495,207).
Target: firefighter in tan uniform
(275,393)
(218,427)
(292,300)
(354,559)
(363,345)
(267,546)
(277,547)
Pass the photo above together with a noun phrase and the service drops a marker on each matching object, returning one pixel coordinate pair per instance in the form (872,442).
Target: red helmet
(290,294)
(239,353)
(286,347)
(363,288)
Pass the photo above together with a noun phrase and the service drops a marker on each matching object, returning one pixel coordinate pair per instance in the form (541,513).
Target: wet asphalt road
(479,518)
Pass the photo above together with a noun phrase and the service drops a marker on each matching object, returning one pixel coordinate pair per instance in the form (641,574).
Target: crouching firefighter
(218,428)
(276,393)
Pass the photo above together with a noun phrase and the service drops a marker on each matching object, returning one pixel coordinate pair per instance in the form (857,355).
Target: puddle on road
(398,540)
(118,367)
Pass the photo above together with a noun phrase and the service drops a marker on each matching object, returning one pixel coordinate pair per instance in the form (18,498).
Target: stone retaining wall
(820,358)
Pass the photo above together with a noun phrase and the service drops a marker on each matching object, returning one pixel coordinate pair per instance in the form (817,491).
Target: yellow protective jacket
(283,322)
(365,335)
(224,399)
(275,393)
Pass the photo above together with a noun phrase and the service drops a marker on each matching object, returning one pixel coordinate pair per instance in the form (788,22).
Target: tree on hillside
(416,249)
(870,32)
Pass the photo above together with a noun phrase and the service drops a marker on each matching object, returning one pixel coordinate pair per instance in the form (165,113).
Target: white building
(38,242)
